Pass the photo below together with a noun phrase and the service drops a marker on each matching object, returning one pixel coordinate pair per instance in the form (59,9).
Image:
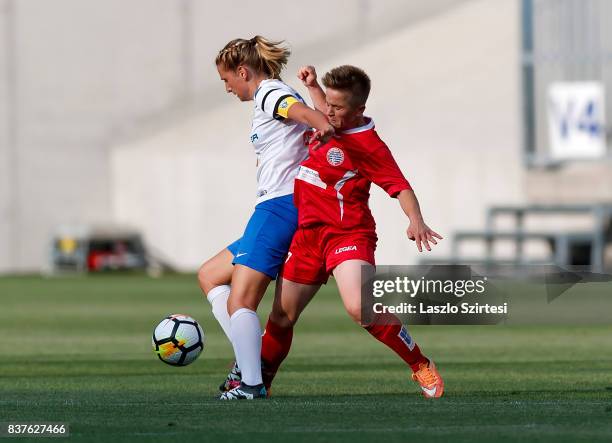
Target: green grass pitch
(78,350)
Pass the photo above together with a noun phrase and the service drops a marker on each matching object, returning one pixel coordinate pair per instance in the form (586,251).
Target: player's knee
(283,318)
(354,311)
(204,278)
(242,298)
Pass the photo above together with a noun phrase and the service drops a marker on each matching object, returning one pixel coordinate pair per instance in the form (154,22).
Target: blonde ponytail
(259,53)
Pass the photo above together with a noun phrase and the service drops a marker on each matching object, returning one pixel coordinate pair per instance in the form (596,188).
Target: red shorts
(316,251)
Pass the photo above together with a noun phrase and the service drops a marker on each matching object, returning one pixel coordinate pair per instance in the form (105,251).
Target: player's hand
(308,76)
(422,235)
(321,137)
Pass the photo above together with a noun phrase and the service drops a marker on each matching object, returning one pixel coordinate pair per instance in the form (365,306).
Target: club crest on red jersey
(335,156)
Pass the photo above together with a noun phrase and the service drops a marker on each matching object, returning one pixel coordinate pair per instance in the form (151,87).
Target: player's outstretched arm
(418,231)
(381,168)
(308,77)
(314,119)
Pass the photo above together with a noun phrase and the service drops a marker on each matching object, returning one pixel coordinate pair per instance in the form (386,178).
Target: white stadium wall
(578,182)
(82,71)
(445,98)
(5,159)
(78,75)
(6,81)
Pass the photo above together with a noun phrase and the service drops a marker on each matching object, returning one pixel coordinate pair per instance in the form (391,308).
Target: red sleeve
(381,169)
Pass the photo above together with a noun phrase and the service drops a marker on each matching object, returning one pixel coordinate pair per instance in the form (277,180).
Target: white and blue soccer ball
(178,340)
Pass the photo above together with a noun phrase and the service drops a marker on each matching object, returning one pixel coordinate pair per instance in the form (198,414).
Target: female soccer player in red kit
(336,231)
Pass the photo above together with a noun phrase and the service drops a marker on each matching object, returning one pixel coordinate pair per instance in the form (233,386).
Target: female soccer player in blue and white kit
(251,71)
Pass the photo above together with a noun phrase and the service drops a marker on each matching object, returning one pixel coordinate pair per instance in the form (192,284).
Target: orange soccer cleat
(430,380)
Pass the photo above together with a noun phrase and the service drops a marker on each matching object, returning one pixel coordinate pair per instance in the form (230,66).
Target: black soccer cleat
(245,392)
(232,380)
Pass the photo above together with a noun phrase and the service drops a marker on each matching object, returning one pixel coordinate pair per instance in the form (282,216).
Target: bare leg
(217,271)
(386,328)
(290,299)
(348,278)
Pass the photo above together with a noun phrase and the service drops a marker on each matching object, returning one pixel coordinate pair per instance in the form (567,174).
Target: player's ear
(361,109)
(242,72)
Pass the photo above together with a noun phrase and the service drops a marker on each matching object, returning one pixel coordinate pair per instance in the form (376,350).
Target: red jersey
(332,186)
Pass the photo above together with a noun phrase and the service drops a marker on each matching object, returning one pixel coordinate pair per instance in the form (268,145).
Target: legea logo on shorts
(346,249)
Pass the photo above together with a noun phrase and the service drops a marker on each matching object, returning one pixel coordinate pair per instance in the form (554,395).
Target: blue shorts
(266,239)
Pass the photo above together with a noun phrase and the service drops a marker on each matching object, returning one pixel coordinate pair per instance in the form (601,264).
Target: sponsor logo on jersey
(310,176)
(253,138)
(346,249)
(262,192)
(335,156)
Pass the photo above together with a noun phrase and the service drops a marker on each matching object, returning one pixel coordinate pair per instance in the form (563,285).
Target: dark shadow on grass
(156,399)
(218,367)
(510,395)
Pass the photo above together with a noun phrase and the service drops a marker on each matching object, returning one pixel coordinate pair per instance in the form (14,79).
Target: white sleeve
(269,98)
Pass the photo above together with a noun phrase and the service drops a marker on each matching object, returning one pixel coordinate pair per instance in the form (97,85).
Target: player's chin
(335,123)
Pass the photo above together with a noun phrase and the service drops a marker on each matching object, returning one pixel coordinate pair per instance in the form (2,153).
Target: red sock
(275,345)
(388,329)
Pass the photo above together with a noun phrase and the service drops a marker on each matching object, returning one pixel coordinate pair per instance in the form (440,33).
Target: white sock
(217,297)
(246,339)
